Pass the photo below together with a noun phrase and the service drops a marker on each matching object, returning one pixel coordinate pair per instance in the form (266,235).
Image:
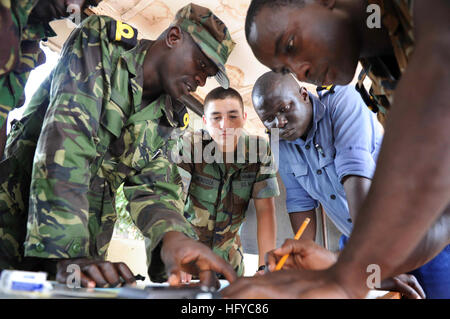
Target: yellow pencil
(297,236)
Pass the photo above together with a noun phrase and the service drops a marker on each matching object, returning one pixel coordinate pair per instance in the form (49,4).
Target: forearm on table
(411,186)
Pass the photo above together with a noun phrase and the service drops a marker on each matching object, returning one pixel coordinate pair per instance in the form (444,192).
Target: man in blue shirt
(329,147)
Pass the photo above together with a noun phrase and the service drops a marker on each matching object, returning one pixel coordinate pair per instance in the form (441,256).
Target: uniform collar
(134,58)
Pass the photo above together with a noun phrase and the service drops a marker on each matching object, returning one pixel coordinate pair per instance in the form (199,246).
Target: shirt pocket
(241,190)
(115,114)
(297,170)
(294,174)
(204,189)
(242,187)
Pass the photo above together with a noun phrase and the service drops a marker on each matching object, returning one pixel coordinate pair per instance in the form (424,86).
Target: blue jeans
(434,276)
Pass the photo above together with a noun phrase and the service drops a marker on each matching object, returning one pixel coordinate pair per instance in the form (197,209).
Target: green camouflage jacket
(22,38)
(96,134)
(397,18)
(219,193)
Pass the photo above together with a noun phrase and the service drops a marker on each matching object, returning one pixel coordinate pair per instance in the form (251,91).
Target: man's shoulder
(337,92)
(115,30)
(344,98)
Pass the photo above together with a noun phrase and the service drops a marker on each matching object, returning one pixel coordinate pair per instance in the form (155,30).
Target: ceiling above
(151,17)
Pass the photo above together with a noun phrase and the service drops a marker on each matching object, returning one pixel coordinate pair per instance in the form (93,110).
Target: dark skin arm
(297,220)
(305,254)
(411,182)
(412,178)
(435,240)
(356,189)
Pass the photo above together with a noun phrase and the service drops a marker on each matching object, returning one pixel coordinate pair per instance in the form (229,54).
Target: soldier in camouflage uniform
(404,48)
(104,117)
(220,190)
(24,23)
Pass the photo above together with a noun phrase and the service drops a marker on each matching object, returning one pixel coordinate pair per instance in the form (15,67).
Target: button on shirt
(344,140)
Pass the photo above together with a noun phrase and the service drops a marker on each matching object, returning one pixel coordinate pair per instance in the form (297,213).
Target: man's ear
(174,36)
(204,119)
(304,93)
(330,4)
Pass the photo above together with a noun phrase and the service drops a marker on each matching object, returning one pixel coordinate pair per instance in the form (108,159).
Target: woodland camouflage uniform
(89,133)
(219,193)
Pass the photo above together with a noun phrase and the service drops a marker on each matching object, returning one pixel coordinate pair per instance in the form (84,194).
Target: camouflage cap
(210,34)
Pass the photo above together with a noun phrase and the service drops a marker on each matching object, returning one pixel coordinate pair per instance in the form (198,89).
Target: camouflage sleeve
(266,184)
(183,156)
(13,14)
(155,200)
(155,203)
(58,207)
(184,148)
(10,38)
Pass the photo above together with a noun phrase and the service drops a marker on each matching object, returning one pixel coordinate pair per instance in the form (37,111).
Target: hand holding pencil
(297,237)
(300,254)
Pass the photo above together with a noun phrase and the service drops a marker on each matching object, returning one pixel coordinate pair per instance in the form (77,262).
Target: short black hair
(257,5)
(219,93)
(266,83)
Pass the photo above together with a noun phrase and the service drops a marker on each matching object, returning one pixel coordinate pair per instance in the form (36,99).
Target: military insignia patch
(122,32)
(329,88)
(183,118)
